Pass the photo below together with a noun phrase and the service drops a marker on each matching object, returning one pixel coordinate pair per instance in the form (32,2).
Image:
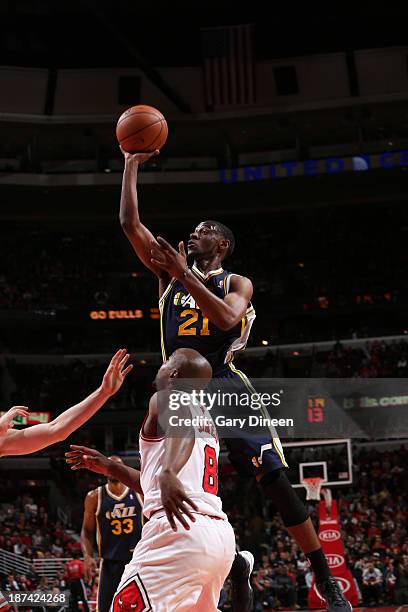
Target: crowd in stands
(383,359)
(54,387)
(307,269)
(373,517)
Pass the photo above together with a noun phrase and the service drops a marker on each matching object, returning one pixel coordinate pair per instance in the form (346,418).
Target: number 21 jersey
(184,325)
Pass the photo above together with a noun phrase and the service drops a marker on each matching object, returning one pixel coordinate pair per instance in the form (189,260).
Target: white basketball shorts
(177,571)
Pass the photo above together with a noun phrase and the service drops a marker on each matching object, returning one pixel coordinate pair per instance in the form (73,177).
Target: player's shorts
(177,571)
(250,454)
(110,573)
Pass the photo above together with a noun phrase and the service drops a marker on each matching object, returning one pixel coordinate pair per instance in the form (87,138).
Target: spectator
(285,587)
(372,582)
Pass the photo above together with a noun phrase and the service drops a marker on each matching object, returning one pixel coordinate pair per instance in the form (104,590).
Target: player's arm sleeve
(138,234)
(224,313)
(40,436)
(89,523)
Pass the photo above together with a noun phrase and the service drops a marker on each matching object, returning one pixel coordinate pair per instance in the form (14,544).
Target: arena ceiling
(73,33)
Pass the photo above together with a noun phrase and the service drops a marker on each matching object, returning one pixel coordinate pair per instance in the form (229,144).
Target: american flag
(228,56)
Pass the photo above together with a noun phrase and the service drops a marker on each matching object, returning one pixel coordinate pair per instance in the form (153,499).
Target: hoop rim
(313,486)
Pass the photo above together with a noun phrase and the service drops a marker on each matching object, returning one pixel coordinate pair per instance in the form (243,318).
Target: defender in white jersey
(187,546)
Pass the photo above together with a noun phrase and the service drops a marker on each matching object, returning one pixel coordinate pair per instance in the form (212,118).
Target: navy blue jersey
(184,325)
(119,523)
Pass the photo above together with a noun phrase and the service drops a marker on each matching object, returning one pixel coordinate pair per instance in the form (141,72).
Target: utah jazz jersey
(184,325)
(119,523)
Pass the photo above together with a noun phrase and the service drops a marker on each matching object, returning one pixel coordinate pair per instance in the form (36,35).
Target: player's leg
(110,574)
(219,561)
(263,458)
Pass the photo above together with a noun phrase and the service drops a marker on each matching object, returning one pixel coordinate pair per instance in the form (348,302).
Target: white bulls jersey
(199,476)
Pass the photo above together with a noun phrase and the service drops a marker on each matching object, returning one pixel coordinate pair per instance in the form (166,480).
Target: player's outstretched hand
(138,158)
(6,421)
(165,257)
(116,372)
(84,458)
(175,500)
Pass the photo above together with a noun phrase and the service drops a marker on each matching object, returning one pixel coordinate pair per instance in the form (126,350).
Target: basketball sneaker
(240,574)
(335,600)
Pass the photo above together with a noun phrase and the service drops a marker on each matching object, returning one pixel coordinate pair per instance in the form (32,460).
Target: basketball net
(313,487)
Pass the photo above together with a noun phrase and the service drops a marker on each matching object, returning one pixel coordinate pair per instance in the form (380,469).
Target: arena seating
(373,511)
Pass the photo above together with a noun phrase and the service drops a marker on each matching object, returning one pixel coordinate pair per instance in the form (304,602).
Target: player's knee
(277,487)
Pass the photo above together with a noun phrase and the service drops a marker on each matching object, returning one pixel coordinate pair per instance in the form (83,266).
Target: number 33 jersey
(119,523)
(199,476)
(184,325)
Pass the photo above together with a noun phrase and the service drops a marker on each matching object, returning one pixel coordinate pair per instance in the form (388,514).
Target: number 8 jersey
(199,476)
(184,325)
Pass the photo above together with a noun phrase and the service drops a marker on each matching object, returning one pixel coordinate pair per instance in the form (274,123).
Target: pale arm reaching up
(37,437)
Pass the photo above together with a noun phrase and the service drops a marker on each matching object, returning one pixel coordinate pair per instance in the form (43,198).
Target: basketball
(141,128)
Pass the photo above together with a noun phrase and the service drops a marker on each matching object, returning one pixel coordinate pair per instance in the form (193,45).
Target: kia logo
(334,560)
(329,535)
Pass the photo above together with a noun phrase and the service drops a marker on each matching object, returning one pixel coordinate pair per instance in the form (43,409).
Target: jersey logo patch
(132,597)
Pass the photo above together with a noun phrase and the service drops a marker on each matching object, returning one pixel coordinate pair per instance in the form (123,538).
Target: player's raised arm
(82,457)
(138,234)
(40,436)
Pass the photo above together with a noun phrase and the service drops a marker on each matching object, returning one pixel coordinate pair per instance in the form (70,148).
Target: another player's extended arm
(82,457)
(88,532)
(226,313)
(138,234)
(37,437)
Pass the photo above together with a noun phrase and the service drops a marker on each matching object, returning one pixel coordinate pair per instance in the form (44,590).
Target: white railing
(49,567)
(10,562)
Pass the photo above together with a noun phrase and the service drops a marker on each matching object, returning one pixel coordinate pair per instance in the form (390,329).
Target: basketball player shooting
(206,308)
(37,437)
(187,546)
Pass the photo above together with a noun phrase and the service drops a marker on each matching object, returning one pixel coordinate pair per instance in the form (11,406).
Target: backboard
(329,459)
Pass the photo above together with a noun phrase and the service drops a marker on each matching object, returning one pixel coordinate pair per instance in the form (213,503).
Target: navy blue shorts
(109,578)
(250,454)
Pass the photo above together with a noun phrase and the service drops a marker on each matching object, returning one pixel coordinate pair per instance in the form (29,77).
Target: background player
(177,568)
(32,439)
(113,513)
(75,573)
(208,309)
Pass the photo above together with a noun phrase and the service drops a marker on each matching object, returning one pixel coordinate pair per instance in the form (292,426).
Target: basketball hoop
(313,486)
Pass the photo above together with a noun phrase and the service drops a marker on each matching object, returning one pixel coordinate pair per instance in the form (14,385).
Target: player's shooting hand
(175,500)
(6,421)
(165,257)
(116,372)
(84,458)
(138,158)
